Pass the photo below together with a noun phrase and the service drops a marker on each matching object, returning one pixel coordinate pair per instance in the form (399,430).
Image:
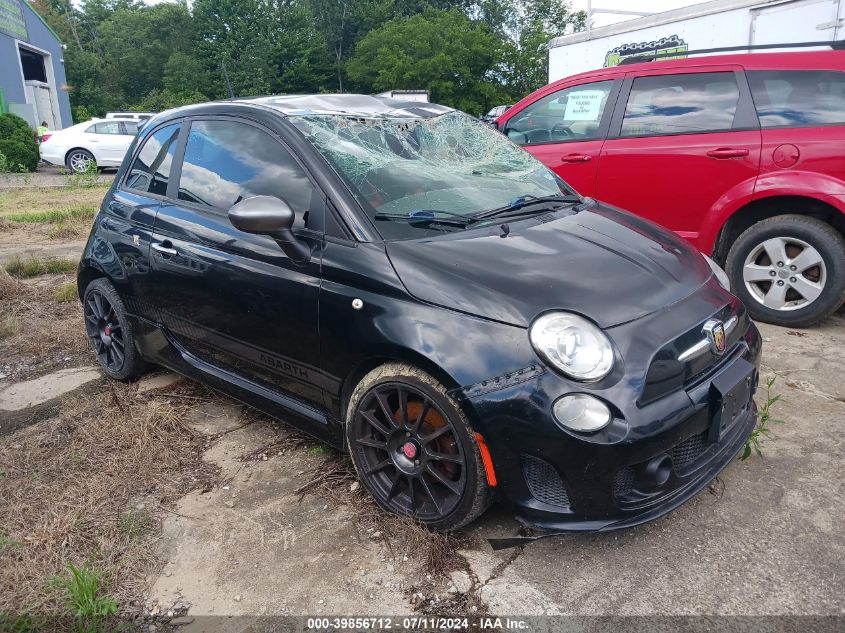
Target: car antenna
(505,230)
(228,83)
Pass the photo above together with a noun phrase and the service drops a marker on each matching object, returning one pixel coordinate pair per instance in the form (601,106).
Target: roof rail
(836,45)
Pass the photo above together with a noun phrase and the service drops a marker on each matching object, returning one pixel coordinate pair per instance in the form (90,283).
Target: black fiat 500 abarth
(403,282)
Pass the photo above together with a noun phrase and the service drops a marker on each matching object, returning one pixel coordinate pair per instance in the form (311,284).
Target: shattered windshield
(448,166)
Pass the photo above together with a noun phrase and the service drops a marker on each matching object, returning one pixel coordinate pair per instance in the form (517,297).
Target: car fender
(728,203)
(793,183)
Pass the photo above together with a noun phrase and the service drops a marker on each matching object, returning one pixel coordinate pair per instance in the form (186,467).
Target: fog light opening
(658,471)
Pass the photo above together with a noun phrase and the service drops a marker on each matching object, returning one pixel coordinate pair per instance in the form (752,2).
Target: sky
(655,6)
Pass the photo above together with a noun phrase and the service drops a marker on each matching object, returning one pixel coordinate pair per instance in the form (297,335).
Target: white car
(99,142)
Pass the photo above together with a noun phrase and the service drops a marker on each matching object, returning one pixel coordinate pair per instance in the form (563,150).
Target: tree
(442,51)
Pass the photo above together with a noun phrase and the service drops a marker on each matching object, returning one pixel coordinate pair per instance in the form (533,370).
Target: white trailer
(716,24)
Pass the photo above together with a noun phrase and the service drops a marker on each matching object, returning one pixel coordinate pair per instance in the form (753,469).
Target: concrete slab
(22,395)
(154,382)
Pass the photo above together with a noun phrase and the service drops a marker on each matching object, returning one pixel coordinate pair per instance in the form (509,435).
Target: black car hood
(603,263)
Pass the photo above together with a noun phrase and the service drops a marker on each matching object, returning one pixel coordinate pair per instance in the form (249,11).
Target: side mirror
(268,215)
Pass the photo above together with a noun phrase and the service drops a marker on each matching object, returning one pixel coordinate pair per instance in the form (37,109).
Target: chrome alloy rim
(80,162)
(784,273)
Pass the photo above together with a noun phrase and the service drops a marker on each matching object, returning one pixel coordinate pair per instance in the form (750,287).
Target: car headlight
(720,274)
(573,345)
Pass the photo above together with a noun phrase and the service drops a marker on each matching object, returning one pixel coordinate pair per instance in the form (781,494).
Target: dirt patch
(90,486)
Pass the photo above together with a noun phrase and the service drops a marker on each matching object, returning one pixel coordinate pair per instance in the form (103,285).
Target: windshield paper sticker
(584,105)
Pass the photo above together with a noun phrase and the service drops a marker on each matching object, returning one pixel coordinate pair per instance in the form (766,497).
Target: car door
(681,144)
(128,131)
(108,143)
(233,299)
(122,244)
(565,130)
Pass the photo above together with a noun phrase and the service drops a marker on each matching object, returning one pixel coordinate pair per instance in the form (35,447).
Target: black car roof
(333,104)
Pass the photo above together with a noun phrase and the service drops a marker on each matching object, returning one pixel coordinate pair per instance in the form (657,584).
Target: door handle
(165,248)
(575,158)
(727,152)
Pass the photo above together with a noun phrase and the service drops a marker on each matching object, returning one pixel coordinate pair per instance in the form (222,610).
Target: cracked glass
(451,163)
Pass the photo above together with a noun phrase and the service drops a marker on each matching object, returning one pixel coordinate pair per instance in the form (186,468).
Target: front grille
(688,451)
(543,481)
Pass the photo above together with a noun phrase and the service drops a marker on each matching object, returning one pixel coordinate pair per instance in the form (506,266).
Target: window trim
(745,118)
(173,186)
(604,122)
(139,144)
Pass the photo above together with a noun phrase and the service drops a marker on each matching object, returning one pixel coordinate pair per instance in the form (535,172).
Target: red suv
(743,155)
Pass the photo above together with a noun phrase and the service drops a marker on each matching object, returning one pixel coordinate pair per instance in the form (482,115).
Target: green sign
(12,21)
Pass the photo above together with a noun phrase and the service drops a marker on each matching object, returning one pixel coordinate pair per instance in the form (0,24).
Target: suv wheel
(80,161)
(789,270)
(110,332)
(414,450)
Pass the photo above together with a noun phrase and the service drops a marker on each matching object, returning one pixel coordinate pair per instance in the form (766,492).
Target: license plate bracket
(730,394)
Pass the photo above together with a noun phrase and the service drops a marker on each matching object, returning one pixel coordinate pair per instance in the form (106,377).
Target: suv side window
(227,161)
(681,104)
(571,114)
(796,98)
(150,171)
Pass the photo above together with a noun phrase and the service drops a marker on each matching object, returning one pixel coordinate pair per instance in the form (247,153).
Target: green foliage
(443,51)
(762,432)
(472,54)
(17,144)
(81,114)
(82,593)
(66,293)
(33,266)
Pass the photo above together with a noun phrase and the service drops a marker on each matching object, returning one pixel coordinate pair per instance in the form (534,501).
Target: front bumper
(561,481)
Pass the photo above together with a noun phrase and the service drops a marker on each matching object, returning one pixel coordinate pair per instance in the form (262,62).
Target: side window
(106,127)
(572,114)
(227,161)
(129,127)
(795,98)
(681,104)
(150,172)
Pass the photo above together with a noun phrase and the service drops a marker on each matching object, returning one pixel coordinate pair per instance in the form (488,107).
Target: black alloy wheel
(104,331)
(412,460)
(109,331)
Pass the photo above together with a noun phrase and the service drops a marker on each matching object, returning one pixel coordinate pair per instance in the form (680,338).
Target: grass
(40,307)
(66,292)
(82,592)
(320,449)
(70,482)
(761,431)
(42,216)
(35,202)
(32,266)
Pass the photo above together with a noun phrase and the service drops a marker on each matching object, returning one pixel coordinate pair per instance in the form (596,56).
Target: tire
(397,465)
(80,160)
(110,332)
(795,297)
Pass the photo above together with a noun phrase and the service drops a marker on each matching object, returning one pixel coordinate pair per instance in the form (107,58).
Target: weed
(83,179)
(82,592)
(32,266)
(10,325)
(66,292)
(761,431)
(320,449)
(134,523)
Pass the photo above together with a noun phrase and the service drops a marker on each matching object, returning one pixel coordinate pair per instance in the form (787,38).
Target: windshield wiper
(429,216)
(517,204)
